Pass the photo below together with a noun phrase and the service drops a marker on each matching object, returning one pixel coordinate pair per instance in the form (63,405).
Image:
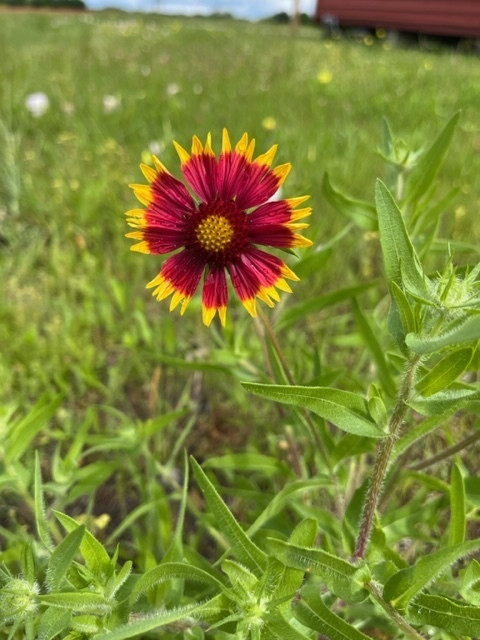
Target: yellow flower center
(214,233)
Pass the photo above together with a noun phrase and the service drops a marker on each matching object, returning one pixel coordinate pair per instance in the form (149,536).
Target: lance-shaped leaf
(400,260)
(246,551)
(62,557)
(311,611)
(93,552)
(456,533)
(77,601)
(443,613)
(445,372)
(278,628)
(342,578)
(150,622)
(425,171)
(470,589)
(407,583)
(52,623)
(347,411)
(399,256)
(445,401)
(169,571)
(360,212)
(461,331)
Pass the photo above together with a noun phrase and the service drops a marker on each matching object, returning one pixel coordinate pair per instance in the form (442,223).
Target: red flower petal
(215,296)
(179,275)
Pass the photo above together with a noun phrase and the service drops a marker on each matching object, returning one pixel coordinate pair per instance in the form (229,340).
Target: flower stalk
(384,453)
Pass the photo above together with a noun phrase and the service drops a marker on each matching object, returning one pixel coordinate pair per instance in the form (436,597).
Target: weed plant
(332,489)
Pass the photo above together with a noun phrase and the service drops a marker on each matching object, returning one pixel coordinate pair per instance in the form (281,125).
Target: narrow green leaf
(424,173)
(405,310)
(445,401)
(52,622)
(456,534)
(314,304)
(245,550)
(443,613)
(248,462)
(445,372)
(399,256)
(348,411)
(375,348)
(360,212)
(470,589)
(288,579)
(150,622)
(114,584)
(25,430)
(338,574)
(288,494)
(279,629)
(169,571)
(40,516)
(311,611)
(76,601)
(243,581)
(62,557)
(94,554)
(407,583)
(465,330)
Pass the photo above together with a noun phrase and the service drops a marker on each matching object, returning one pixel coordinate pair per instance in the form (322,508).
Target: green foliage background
(109,387)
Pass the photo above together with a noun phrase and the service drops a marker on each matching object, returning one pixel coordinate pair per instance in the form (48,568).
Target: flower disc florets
(220,230)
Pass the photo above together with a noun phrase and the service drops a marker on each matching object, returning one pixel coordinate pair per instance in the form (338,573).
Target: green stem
(401,623)
(384,452)
(446,453)
(288,375)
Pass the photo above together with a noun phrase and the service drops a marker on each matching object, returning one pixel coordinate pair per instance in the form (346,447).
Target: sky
(248,9)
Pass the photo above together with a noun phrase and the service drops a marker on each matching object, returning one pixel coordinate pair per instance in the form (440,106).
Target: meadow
(107,389)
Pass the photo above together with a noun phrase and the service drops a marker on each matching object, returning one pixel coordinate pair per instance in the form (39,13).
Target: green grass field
(113,386)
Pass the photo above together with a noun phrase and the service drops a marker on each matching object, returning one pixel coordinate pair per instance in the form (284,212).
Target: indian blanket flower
(220,229)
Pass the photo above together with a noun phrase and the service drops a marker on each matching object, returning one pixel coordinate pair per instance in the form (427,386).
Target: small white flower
(110,103)
(37,103)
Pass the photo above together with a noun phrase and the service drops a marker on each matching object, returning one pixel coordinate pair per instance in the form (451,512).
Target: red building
(441,17)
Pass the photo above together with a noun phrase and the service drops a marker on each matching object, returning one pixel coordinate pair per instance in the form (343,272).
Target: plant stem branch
(393,613)
(446,453)
(384,452)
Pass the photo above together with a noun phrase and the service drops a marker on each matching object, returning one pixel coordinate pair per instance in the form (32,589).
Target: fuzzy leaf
(169,571)
(52,622)
(311,611)
(339,575)
(470,589)
(245,550)
(407,583)
(443,613)
(149,623)
(40,516)
(76,601)
(456,534)
(62,557)
(445,372)
(94,554)
(466,330)
(278,628)
(347,411)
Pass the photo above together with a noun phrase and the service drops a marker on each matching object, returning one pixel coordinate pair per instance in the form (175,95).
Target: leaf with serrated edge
(446,614)
(245,550)
(62,557)
(407,583)
(347,411)
(310,610)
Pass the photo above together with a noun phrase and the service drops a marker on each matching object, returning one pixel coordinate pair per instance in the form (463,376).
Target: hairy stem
(384,452)
(402,624)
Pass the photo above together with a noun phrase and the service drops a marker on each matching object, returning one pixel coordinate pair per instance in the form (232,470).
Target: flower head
(218,231)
